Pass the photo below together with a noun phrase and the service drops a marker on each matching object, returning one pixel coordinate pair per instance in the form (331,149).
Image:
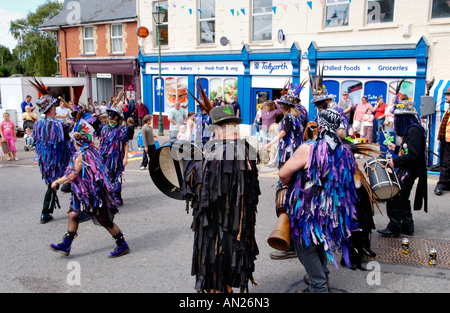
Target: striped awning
(441,107)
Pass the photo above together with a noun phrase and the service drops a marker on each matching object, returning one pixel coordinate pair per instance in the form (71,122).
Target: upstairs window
(337,13)
(440,8)
(380,11)
(88,38)
(165,24)
(207,21)
(262,20)
(116,38)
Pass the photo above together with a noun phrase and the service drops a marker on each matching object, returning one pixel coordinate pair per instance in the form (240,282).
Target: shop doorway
(259,95)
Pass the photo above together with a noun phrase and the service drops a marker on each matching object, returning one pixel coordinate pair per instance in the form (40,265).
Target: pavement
(157,229)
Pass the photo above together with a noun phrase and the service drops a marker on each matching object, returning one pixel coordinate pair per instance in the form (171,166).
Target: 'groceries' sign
(371,67)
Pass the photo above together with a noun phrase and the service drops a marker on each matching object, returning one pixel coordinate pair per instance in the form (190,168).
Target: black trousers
(50,201)
(146,156)
(399,209)
(444,177)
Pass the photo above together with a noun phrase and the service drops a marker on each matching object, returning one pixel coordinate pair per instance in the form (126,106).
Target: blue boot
(65,245)
(122,247)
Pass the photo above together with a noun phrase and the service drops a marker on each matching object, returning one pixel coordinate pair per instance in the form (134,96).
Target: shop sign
(369,68)
(268,68)
(196,68)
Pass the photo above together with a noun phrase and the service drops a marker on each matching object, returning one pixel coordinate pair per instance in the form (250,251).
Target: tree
(36,50)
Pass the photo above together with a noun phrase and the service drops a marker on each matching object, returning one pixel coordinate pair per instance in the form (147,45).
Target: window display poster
(158,90)
(375,89)
(176,90)
(355,90)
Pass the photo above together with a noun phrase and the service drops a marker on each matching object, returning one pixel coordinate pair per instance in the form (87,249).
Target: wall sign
(142,32)
(371,67)
(268,68)
(196,68)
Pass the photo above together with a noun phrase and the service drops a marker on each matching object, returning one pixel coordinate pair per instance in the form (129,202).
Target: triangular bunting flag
(285,7)
(201,12)
(274,9)
(190,11)
(310,4)
(243,11)
(232,11)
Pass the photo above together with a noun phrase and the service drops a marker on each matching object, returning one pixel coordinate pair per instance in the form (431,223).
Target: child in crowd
(182,134)
(148,139)
(29,140)
(130,134)
(367,124)
(8,133)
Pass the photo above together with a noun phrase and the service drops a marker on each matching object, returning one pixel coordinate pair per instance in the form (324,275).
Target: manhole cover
(389,249)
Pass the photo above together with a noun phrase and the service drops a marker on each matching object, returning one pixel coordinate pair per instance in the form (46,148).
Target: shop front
(371,71)
(248,76)
(107,77)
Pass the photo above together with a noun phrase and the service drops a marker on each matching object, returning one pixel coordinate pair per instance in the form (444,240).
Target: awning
(441,107)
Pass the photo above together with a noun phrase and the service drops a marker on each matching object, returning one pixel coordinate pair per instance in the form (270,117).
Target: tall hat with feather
(46,101)
(318,89)
(219,115)
(84,128)
(292,94)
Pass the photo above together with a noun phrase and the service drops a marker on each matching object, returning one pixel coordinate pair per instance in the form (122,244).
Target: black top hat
(223,114)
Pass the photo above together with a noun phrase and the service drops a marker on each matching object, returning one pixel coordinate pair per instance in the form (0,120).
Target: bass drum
(166,166)
(382,179)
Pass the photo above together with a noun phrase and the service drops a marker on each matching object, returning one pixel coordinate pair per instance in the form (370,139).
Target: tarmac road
(157,229)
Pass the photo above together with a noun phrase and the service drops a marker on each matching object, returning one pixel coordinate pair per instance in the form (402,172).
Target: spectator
(62,113)
(444,139)
(367,125)
(380,115)
(346,105)
(190,125)
(8,133)
(177,117)
(130,134)
(26,102)
(103,115)
(182,133)
(360,110)
(29,116)
(268,116)
(141,111)
(148,140)
(236,107)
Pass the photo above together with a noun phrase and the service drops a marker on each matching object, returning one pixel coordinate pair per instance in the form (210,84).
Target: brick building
(99,42)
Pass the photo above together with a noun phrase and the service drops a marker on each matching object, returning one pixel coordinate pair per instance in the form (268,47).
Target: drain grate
(389,249)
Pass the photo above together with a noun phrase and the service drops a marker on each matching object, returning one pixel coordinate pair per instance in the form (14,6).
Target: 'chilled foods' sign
(371,67)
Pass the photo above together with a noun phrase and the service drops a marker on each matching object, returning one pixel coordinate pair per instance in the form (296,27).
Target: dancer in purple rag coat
(92,191)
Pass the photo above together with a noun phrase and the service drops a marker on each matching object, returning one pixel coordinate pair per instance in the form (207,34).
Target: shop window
(262,20)
(207,21)
(440,8)
(116,38)
(88,37)
(407,88)
(219,87)
(337,13)
(380,11)
(354,89)
(165,24)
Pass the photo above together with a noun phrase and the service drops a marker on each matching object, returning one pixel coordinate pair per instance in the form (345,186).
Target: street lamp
(158,17)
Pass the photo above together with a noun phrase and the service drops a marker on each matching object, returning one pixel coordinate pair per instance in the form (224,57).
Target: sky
(13,10)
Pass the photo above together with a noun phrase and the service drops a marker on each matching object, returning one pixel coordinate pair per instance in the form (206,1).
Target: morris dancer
(223,191)
(92,192)
(114,147)
(52,149)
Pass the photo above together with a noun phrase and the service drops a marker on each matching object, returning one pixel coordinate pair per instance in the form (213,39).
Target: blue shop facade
(254,76)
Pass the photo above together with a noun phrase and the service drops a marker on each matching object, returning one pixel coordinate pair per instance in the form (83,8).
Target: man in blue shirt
(26,102)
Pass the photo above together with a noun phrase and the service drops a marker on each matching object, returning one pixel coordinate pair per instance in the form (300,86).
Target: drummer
(411,165)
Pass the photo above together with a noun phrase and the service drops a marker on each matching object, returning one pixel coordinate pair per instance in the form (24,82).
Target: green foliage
(36,50)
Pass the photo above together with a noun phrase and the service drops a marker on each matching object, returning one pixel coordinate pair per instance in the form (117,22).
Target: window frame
(164,4)
(116,38)
(436,19)
(85,39)
(381,22)
(209,19)
(252,19)
(335,4)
